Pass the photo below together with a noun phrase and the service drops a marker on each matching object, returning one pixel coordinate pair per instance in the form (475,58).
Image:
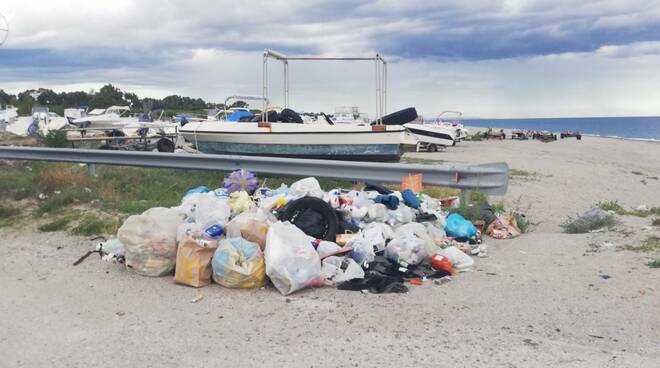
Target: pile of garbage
(299,236)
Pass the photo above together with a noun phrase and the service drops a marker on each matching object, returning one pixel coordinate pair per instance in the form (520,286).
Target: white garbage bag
(460,260)
(377,212)
(377,234)
(340,269)
(292,263)
(150,241)
(306,187)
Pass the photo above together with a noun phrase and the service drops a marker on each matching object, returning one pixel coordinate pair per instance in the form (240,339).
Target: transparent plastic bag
(238,263)
(150,241)
(377,234)
(363,251)
(408,250)
(234,227)
(212,210)
(292,263)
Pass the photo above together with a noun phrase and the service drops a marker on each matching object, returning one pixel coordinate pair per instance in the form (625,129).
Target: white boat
(432,135)
(451,119)
(341,141)
(110,117)
(42,122)
(9,114)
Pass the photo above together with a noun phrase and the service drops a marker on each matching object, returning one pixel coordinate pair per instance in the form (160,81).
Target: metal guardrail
(490,178)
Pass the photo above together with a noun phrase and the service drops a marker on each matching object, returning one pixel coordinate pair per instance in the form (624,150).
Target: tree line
(107,96)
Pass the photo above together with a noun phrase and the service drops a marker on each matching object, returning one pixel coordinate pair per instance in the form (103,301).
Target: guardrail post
(91,169)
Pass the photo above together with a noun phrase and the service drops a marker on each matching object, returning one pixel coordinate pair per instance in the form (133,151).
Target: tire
(271,116)
(116,134)
(165,145)
(579,137)
(399,117)
(290,116)
(433,148)
(317,208)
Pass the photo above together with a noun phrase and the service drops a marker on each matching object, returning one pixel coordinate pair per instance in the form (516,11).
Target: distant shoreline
(474,129)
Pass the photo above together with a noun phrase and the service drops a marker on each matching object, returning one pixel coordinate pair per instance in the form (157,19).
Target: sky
(486,58)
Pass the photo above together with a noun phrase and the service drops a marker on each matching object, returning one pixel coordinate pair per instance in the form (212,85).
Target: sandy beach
(538,300)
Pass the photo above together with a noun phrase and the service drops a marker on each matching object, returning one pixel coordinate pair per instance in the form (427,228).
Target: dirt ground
(536,301)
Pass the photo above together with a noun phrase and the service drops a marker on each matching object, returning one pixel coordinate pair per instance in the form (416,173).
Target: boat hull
(432,134)
(296,140)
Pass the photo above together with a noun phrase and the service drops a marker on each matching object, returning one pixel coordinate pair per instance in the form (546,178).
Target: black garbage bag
(378,188)
(375,282)
(486,213)
(313,216)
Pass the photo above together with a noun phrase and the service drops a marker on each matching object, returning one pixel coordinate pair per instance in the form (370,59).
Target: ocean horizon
(630,127)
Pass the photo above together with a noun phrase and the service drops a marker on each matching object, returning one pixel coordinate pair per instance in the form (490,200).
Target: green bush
(54,139)
(56,225)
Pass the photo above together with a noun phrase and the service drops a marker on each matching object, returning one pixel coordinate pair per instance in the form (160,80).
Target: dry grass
(58,176)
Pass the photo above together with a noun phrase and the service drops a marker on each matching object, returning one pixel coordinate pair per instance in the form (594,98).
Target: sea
(641,128)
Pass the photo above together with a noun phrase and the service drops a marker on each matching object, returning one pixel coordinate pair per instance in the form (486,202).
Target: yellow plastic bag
(193,263)
(240,202)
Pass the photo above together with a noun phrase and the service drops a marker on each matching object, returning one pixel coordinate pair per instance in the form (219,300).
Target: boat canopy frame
(380,67)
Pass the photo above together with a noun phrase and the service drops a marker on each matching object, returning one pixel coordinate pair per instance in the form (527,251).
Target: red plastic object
(439,262)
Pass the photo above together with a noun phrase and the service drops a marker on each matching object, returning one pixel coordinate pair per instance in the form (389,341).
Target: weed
(64,199)
(645,213)
(520,173)
(423,161)
(55,139)
(613,206)
(650,244)
(656,222)
(440,192)
(93,225)
(654,264)
(523,223)
(56,225)
(8,215)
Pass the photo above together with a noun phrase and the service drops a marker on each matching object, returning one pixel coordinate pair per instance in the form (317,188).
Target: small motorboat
(42,121)
(113,116)
(289,137)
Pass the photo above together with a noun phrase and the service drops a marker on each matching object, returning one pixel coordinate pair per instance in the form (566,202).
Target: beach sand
(536,301)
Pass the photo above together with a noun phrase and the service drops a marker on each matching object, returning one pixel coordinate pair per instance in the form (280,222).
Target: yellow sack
(239,263)
(193,263)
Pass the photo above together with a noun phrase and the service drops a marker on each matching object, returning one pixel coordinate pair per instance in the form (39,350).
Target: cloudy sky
(487,58)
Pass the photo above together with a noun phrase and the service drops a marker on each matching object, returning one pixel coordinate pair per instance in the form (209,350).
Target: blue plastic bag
(410,198)
(458,227)
(390,201)
(201,189)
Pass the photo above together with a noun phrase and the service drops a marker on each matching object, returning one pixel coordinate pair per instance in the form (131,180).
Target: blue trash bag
(390,201)
(410,198)
(457,226)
